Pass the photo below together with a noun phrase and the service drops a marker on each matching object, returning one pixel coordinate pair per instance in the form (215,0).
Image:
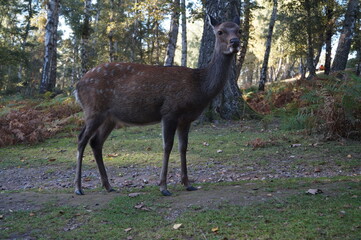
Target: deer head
(227,35)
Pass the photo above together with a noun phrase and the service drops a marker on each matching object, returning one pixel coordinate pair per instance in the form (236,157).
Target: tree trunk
(111,33)
(173,35)
(228,104)
(184,33)
(48,78)
(310,51)
(245,36)
(85,35)
(263,78)
(330,10)
(344,42)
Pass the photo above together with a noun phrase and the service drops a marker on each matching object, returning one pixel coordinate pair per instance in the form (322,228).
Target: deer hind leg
(96,143)
(87,132)
(169,127)
(183,130)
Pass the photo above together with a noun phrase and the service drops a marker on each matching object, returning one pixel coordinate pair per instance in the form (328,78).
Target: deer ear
(212,21)
(237,21)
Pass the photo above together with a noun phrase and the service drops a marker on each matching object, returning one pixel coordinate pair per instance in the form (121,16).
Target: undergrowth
(327,105)
(32,121)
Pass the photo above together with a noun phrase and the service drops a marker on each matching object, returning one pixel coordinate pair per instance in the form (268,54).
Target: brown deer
(114,94)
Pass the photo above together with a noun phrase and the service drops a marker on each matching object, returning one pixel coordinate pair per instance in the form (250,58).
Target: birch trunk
(328,34)
(263,77)
(173,34)
(48,76)
(184,34)
(84,43)
(245,36)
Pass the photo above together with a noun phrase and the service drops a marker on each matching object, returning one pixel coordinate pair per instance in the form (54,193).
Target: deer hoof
(79,192)
(191,188)
(166,193)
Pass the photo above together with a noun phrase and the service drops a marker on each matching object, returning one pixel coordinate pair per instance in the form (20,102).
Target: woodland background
(46,47)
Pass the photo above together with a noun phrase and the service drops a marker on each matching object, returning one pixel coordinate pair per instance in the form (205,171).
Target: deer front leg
(169,127)
(183,130)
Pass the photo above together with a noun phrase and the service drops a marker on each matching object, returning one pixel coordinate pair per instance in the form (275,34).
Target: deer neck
(215,75)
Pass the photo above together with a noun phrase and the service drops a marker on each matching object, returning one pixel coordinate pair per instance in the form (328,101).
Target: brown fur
(136,94)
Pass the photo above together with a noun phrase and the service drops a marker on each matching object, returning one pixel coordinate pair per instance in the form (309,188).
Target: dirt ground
(30,187)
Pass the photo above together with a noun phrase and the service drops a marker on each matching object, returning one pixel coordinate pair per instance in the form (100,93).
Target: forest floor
(256,179)
(239,167)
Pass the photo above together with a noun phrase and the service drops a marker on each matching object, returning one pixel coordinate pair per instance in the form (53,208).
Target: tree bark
(263,78)
(245,36)
(173,35)
(48,77)
(229,104)
(344,42)
(310,47)
(330,11)
(84,42)
(184,33)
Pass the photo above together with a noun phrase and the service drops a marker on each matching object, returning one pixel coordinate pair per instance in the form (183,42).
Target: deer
(124,94)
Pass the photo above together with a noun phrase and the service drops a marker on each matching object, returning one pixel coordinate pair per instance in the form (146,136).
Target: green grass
(142,146)
(332,215)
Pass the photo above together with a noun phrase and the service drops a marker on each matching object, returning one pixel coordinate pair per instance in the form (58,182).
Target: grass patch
(334,214)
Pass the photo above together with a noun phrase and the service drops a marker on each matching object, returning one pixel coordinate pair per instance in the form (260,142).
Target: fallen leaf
(1,216)
(31,214)
(133,195)
(349,156)
(219,151)
(205,144)
(296,145)
(52,159)
(317,170)
(139,206)
(215,229)
(87,179)
(127,230)
(113,155)
(177,226)
(314,191)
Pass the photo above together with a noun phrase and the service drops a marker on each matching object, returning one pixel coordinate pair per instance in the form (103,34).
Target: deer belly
(137,112)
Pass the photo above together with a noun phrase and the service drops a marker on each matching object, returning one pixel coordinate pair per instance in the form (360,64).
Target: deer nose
(234,42)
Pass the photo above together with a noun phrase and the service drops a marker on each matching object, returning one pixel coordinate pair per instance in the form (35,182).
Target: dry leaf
(133,195)
(206,144)
(52,159)
(139,206)
(87,179)
(113,155)
(314,191)
(177,226)
(219,151)
(349,156)
(31,214)
(1,216)
(296,145)
(215,229)
(127,230)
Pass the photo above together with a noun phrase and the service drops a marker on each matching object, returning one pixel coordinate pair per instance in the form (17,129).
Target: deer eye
(220,32)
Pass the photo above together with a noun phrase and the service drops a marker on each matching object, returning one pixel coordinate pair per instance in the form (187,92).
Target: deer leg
(183,130)
(87,132)
(96,143)
(169,127)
